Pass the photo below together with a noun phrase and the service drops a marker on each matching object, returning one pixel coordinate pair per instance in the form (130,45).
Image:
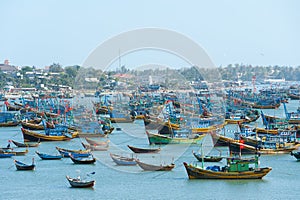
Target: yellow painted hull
(199,173)
(208,129)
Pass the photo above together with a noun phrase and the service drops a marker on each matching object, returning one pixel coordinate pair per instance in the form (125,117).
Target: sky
(257,32)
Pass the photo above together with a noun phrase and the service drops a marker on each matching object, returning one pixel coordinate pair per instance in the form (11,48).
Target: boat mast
(202,156)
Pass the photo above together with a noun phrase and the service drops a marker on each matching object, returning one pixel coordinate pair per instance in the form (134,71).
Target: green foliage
(76,74)
(26,69)
(72,71)
(56,68)
(2,79)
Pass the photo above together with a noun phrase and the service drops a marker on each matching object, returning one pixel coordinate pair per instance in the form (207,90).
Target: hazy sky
(257,32)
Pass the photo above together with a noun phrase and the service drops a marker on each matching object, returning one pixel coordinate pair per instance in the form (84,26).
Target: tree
(26,69)
(3,77)
(72,71)
(56,68)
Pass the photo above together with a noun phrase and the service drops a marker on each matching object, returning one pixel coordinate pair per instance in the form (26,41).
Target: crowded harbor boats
(240,124)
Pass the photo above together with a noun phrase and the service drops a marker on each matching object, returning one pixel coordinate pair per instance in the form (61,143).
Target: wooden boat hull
(256,106)
(95,142)
(26,144)
(9,124)
(121,120)
(143,150)
(22,166)
(266,131)
(124,161)
(6,155)
(220,140)
(44,156)
(296,155)
(31,126)
(77,183)
(207,158)
(148,167)
(80,134)
(13,107)
(237,148)
(161,139)
(95,147)
(36,137)
(235,121)
(16,153)
(81,160)
(75,153)
(294,96)
(198,173)
(208,129)
(294,121)
(162,127)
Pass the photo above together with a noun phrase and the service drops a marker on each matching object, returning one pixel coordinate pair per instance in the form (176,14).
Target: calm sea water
(123,182)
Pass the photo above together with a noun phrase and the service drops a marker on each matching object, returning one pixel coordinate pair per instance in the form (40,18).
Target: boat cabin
(241,165)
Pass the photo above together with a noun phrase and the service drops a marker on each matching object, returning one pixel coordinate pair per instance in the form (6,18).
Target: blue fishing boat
(75,153)
(44,156)
(6,154)
(292,117)
(80,183)
(8,119)
(83,160)
(22,166)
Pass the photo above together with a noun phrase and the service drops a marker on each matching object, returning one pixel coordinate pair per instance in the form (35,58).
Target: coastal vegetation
(90,78)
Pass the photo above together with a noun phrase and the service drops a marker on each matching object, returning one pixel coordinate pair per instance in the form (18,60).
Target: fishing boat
(47,135)
(236,168)
(82,160)
(266,106)
(44,156)
(235,117)
(10,107)
(9,124)
(294,93)
(143,150)
(101,135)
(32,126)
(22,166)
(155,138)
(26,144)
(79,183)
(9,119)
(199,157)
(122,160)
(273,125)
(75,153)
(6,154)
(95,147)
(291,117)
(97,142)
(269,147)
(149,167)
(296,155)
(11,150)
(118,117)
(221,140)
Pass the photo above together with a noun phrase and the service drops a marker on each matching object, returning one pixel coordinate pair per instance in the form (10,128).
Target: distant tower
(6,62)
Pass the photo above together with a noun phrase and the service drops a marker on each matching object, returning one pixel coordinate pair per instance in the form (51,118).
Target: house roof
(8,68)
